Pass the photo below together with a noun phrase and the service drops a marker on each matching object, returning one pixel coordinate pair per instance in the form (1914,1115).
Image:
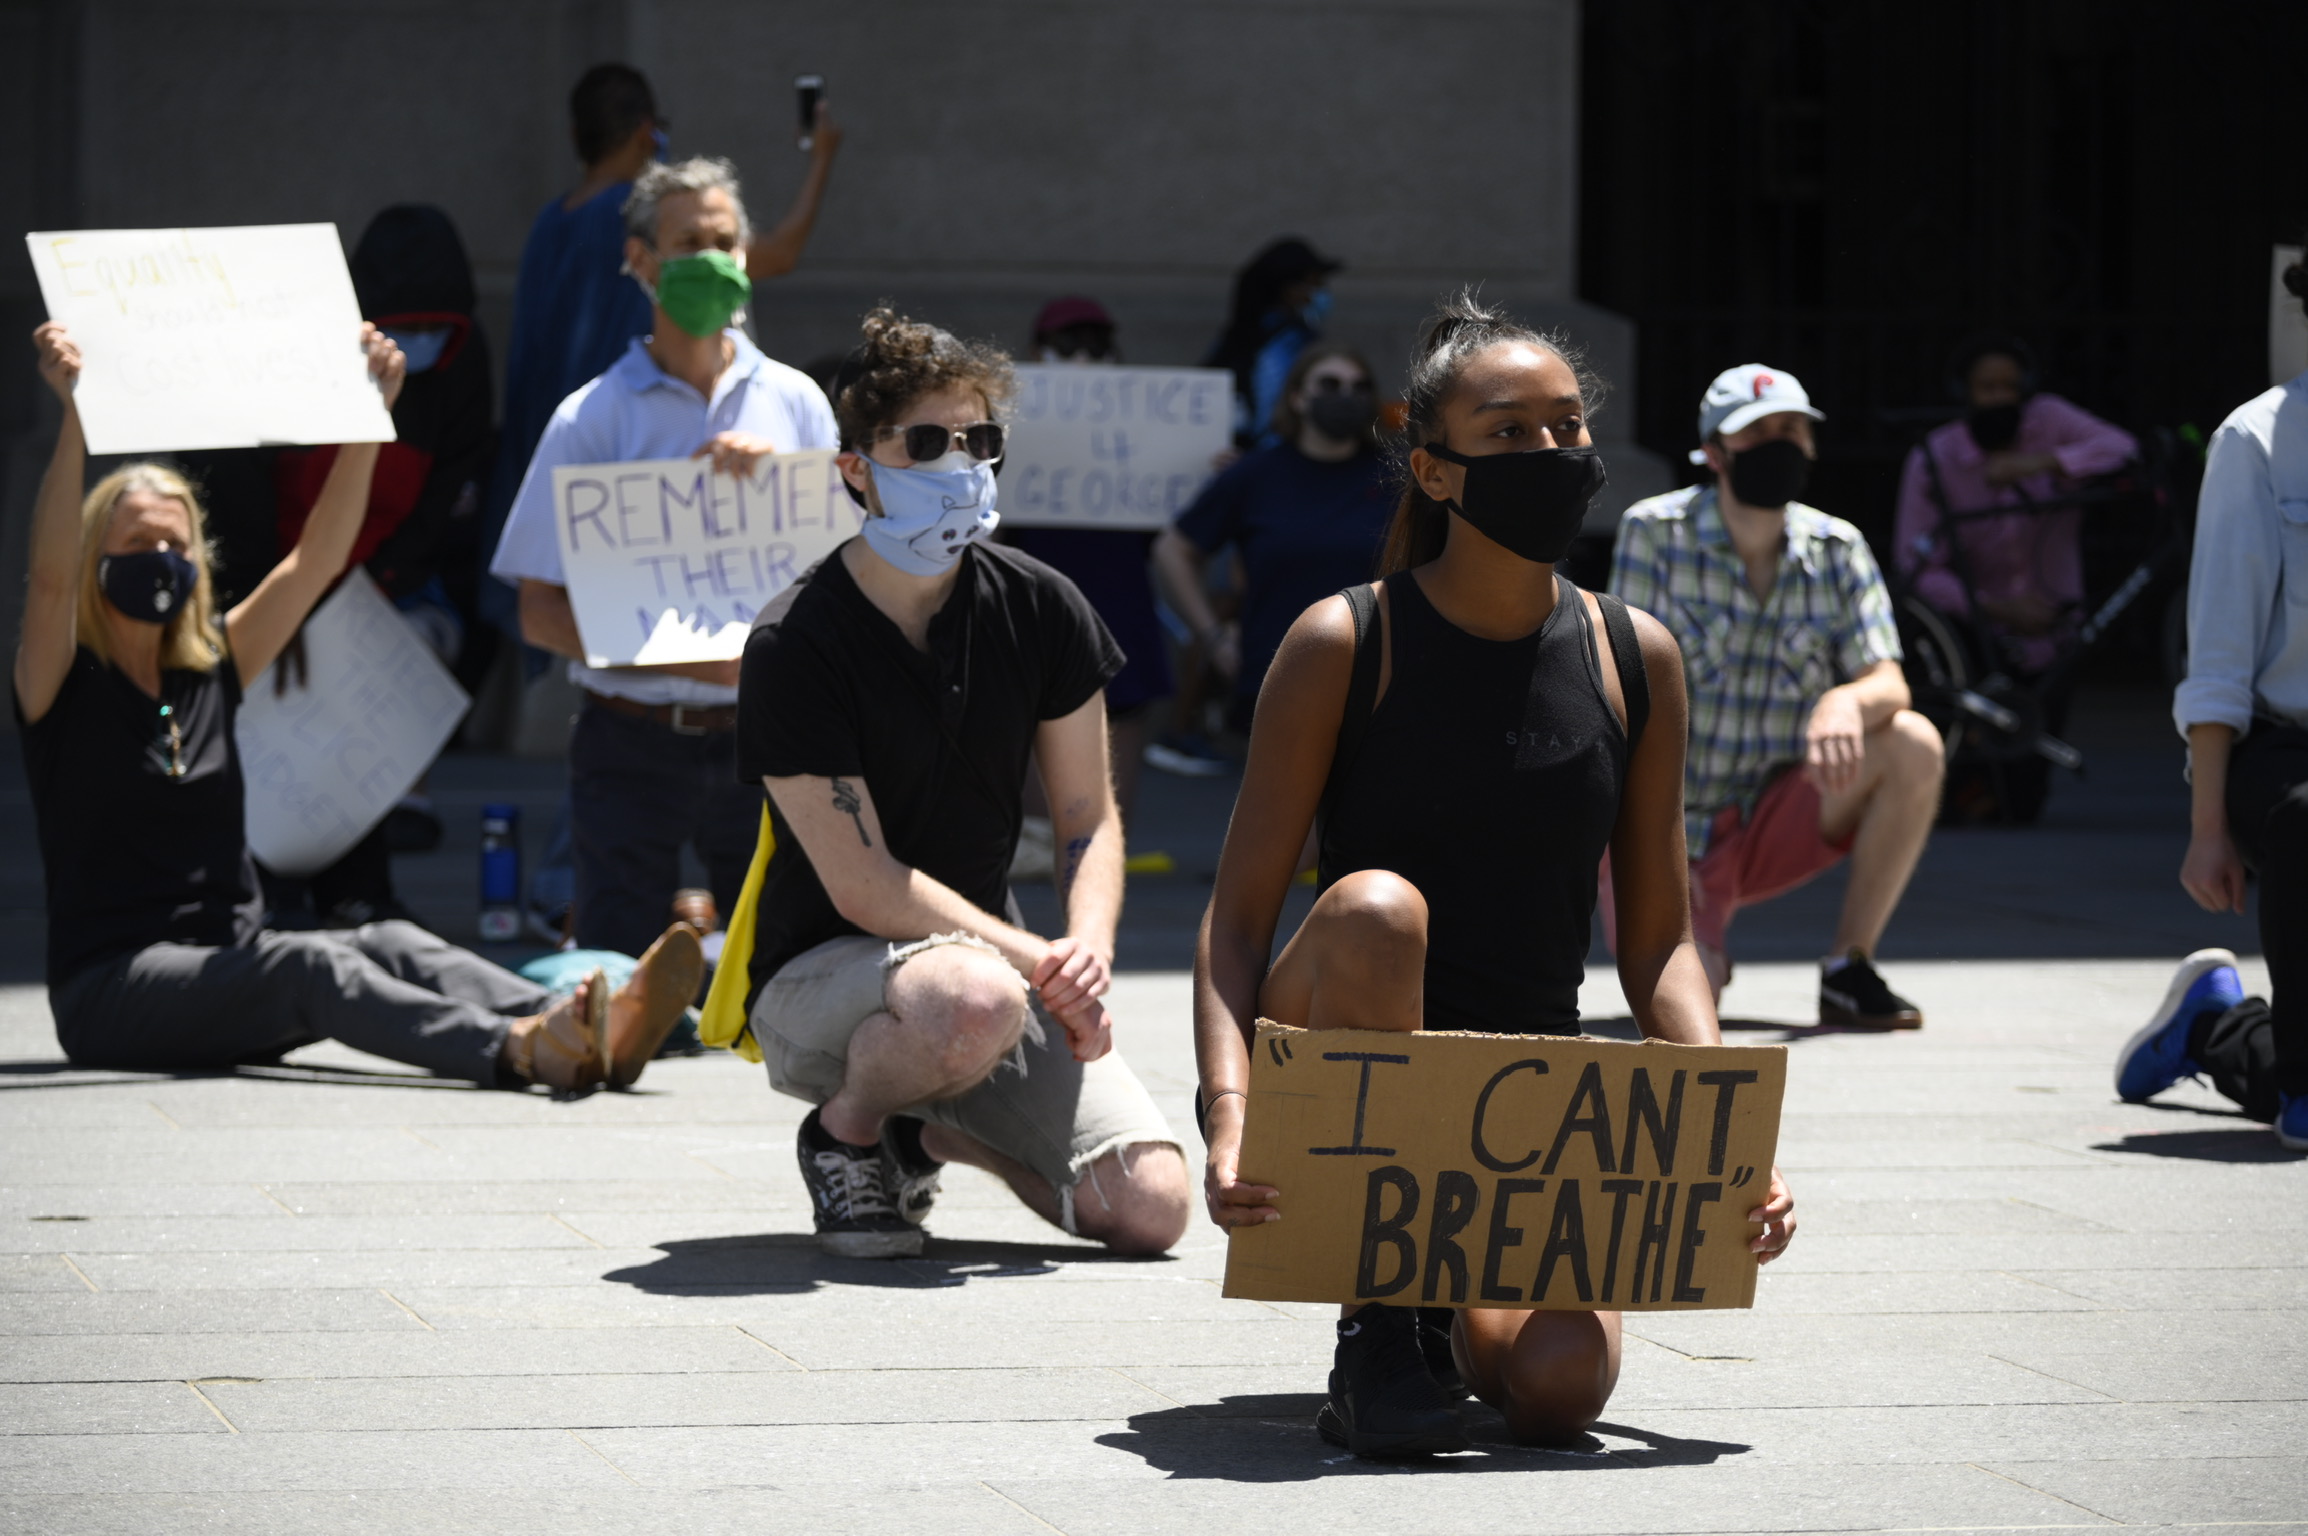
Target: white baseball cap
(1748,393)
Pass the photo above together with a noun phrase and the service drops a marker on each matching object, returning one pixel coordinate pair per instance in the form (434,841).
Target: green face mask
(699,293)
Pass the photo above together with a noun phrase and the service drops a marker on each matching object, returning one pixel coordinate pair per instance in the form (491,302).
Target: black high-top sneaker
(849,1197)
(1434,1342)
(1383,1399)
(1853,995)
(911,1173)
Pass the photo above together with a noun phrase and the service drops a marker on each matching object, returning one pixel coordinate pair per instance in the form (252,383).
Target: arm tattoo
(845,800)
(1075,848)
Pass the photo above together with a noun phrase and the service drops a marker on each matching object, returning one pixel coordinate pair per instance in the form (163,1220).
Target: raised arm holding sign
(211,338)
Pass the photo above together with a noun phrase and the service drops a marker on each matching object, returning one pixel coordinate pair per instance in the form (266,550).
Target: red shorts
(1776,849)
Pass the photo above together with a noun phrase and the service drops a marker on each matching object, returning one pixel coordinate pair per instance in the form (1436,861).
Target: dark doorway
(1847,189)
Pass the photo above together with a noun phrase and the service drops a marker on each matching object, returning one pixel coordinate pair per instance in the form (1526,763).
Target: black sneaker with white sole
(1383,1398)
(1854,996)
(849,1197)
(912,1173)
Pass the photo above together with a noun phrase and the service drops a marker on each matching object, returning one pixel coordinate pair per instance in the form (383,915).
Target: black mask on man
(1342,415)
(1770,474)
(1994,427)
(1533,502)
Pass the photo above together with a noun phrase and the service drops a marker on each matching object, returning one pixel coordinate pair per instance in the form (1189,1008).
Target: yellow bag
(722,1022)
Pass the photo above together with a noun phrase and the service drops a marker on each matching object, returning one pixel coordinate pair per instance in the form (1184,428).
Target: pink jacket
(2020,555)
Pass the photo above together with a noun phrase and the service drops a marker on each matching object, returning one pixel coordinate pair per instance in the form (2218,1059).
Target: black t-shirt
(1306,529)
(134,855)
(941,739)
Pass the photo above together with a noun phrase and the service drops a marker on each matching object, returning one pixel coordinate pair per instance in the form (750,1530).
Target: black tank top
(1489,777)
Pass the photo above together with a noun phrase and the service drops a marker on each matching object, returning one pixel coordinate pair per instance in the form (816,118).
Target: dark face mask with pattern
(1532,502)
(148,585)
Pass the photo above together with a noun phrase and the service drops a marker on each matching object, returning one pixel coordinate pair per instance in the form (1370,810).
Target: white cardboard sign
(1095,447)
(211,338)
(324,761)
(667,561)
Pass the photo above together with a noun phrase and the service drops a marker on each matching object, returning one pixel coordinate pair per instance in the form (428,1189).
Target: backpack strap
(1361,696)
(1627,655)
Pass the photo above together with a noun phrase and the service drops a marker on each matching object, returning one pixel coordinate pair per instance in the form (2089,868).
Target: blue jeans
(638,791)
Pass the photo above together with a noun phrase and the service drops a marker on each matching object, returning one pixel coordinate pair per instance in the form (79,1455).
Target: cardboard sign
(326,759)
(668,562)
(1112,447)
(211,338)
(1524,1171)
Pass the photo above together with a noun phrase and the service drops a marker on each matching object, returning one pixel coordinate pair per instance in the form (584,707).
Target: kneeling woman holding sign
(1474,732)
(126,685)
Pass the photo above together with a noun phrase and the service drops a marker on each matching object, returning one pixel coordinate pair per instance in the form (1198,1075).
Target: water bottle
(500,873)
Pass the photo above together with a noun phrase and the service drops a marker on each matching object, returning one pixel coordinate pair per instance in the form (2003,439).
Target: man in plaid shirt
(1803,749)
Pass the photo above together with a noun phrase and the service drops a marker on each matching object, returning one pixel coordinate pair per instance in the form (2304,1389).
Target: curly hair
(898,362)
(1461,329)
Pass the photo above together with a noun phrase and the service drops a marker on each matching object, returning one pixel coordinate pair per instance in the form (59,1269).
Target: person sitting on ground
(2244,710)
(1803,748)
(2015,446)
(889,708)
(126,685)
(653,756)
(1308,514)
(1467,910)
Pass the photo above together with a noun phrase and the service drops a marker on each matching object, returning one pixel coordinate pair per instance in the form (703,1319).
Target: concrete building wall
(997,153)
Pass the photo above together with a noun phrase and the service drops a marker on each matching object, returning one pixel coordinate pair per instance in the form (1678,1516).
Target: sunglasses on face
(928,440)
(1332,384)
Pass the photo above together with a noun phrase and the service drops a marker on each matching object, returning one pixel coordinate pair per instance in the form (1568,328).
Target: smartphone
(808,88)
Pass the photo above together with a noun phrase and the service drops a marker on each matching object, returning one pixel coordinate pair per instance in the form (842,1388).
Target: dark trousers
(390,989)
(637,792)
(2268,818)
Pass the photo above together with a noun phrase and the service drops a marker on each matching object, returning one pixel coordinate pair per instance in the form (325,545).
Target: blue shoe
(2292,1121)
(2157,1057)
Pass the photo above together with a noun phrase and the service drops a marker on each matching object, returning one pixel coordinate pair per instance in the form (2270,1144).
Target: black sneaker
(911,1173)
(1383,1399)
(850,1199)
(1434,1342)
(1854,996)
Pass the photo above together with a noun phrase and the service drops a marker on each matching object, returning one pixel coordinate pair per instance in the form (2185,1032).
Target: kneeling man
(1803,748)
(890,708)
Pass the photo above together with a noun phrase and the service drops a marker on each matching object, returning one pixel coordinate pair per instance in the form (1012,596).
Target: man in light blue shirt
(652,763)
(2244,709)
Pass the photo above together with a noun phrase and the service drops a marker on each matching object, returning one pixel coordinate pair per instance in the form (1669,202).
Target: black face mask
(1770,474)
(1532,502)
(1994,427)
(150,584)
(1343,415)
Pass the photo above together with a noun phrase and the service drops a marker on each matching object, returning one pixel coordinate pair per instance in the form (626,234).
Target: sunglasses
(927,440)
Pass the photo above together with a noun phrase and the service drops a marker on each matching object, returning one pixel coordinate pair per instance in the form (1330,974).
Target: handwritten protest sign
(1112,447)
(1459,1170)
(211,338)
(667,561)
(325,758)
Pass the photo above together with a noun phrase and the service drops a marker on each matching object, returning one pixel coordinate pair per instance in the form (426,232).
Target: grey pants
(390,989)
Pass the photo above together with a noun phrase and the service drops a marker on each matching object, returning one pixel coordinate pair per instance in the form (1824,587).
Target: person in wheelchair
(2011,581)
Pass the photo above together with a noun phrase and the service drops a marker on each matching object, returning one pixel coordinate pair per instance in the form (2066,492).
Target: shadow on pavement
(2243,1144)
(1270,1438)
(782,1263)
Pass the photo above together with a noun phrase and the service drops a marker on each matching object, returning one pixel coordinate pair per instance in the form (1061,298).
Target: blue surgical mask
(664,145)
(932,513)
(1316,309)
(423,348)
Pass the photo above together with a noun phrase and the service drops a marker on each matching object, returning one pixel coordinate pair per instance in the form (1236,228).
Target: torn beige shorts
(1041,1106)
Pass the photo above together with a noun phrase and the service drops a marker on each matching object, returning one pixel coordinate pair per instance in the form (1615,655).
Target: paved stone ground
(331,1296)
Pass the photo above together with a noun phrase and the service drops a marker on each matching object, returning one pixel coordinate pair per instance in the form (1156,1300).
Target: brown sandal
(650,1003)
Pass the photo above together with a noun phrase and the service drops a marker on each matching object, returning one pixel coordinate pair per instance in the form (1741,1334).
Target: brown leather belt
(681,719)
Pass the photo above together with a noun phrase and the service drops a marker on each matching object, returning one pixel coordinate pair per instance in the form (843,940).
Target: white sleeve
(530,548)
(2232,583)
